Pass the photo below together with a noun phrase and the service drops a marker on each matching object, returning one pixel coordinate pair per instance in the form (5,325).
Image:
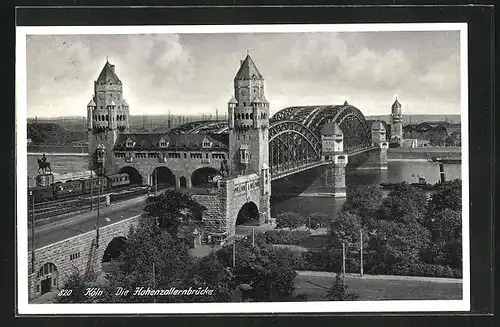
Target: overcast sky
(193,73)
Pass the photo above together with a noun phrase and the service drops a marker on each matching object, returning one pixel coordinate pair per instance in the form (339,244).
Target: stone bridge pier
(375,158)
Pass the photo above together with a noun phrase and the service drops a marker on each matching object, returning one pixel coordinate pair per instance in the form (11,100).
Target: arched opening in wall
(163,177)
(183,182)
(47,276)
(134,175)
(204,177)
(114,249)
(248,214)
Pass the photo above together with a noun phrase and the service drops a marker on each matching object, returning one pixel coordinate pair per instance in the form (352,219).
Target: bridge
(295,135)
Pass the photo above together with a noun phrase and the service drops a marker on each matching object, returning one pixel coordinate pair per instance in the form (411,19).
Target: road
(372,288)
(85,222)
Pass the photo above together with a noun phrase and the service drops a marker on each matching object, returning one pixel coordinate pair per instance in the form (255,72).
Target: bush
(328,260)
(427,270)
(290,220)
(286,237)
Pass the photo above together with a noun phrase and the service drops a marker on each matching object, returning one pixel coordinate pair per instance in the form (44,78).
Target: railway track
(69,205)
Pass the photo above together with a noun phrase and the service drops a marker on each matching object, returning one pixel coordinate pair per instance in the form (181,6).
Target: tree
(402,204)
(363,201)
(173,208)
(345,228)
(208,272)
(399,244)
(450,140)
(318,220)
(339,291)
(446,233)
(448,195)
(290,220)
(77,285)
(269,271)
(153,258)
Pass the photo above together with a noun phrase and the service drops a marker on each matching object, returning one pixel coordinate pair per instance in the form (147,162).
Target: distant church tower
(396,123)
(248,120)
(107,116)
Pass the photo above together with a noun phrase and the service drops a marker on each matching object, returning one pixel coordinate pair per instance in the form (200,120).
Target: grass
(315,288)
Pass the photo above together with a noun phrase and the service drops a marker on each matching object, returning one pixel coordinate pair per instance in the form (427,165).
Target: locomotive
(59,190)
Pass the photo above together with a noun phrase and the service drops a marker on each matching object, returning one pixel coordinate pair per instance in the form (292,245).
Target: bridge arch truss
(292,145)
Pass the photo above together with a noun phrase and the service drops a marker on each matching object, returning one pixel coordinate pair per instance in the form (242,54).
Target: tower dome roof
(331,129)
(108,74)
(248,70)
(396,106)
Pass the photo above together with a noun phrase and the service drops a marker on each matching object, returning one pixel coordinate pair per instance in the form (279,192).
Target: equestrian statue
(44,165)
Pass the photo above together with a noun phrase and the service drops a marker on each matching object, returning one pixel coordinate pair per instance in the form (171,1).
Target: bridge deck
(293,170)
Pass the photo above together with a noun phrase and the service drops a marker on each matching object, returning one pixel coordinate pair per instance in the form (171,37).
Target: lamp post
(234,253)
(98,209)
(32,232)
(91,192)
(156,181)
(361,251)
(343,262)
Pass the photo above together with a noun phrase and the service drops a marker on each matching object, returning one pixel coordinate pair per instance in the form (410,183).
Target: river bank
(423,153)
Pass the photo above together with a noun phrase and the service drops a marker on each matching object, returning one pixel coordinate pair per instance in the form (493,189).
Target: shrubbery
(426,270)
(294,237)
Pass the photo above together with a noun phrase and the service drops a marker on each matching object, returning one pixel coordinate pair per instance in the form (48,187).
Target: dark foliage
(294,237)
(53,134)
(171,209)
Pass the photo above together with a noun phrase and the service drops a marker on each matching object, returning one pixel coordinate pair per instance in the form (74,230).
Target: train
(59,190)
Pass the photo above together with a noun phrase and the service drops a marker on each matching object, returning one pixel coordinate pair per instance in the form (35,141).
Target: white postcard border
(213,308)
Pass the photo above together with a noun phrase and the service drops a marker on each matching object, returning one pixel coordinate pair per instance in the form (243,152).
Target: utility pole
(32,232)
(154,281)
(91,191)
(156,181)
(343,262)
(361,252)
(234,253)
(216,114)
(98,209)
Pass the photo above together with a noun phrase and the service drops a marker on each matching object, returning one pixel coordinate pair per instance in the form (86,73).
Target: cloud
(193,73)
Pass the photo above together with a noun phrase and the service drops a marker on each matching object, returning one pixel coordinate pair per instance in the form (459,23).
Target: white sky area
(193,73)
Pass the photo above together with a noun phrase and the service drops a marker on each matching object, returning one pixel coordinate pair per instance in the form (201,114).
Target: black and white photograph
(242,169)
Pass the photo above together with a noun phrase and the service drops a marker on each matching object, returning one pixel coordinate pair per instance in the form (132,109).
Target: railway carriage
(67,188)
(42,193)
(89,184)
(119,180)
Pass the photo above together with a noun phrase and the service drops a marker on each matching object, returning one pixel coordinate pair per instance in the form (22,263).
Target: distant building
(409,143)
(396,125)
(434,127)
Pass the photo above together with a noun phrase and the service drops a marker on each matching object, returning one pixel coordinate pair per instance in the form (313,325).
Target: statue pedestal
(44,180)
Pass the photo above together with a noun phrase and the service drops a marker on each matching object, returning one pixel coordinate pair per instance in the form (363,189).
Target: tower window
(107,118)
(246,116)
(235,116)
(251,116)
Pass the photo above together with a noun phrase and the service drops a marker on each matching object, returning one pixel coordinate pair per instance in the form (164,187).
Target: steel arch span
(292,145)
(350,119)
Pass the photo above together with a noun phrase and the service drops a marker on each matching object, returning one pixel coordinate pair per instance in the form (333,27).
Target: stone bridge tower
(248,120)
(107,116)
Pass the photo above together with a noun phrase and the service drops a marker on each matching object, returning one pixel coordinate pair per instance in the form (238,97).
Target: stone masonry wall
(179,167)
(76,253)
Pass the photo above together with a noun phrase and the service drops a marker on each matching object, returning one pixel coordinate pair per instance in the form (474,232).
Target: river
(397,171)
